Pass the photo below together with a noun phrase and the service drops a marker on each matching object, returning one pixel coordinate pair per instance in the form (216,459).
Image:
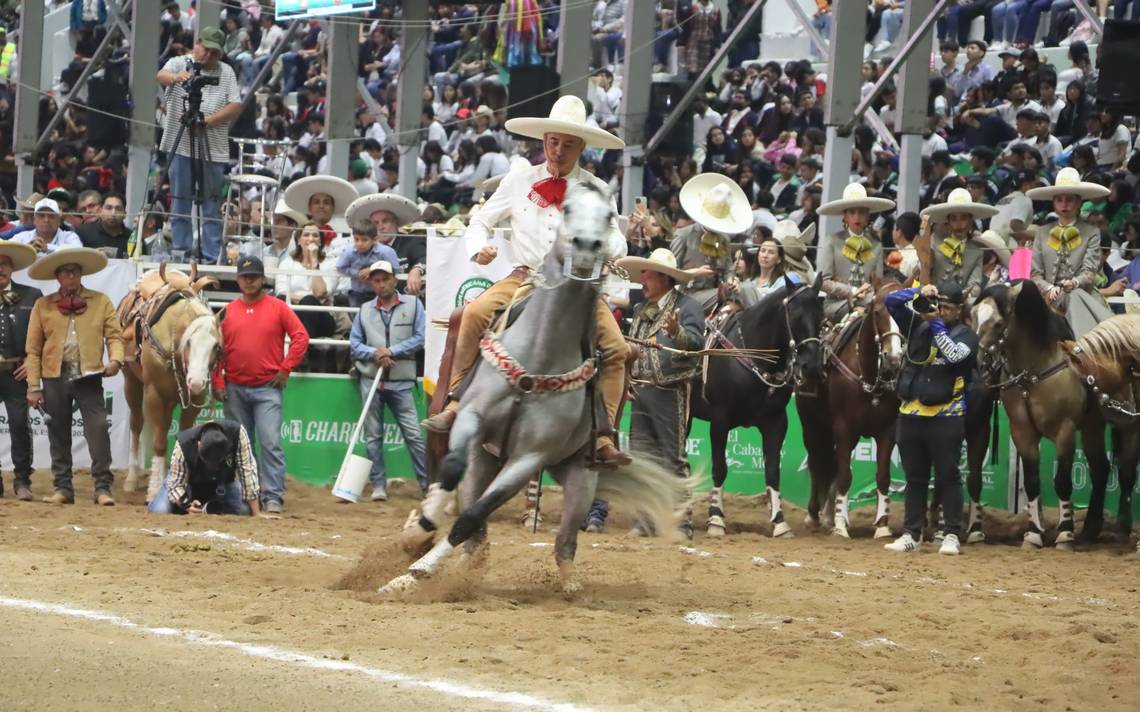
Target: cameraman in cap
(221,104)
(212,470)
(941,352)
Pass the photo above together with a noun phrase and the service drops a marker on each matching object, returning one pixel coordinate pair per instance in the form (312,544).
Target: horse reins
(1103,398)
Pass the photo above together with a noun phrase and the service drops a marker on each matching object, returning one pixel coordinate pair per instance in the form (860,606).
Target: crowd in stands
(993,129)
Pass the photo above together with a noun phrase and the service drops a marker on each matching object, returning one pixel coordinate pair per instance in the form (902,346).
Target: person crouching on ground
(212,471)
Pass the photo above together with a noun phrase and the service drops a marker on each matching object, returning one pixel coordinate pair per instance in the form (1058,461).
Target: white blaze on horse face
(984,313)
(894,345)
(199,343)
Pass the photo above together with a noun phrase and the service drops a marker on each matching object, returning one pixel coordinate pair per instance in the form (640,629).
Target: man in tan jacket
(66,337)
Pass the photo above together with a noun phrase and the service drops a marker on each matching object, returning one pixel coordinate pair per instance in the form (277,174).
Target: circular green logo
(470,290)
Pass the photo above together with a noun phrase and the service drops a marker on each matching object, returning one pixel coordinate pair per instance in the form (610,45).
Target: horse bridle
(881,385)
(176,358)
(796,373)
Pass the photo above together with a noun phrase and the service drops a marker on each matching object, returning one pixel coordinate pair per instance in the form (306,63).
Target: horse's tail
(649,490)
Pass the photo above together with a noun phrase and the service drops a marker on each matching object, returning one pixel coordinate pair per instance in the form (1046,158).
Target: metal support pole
(1090,15)
(209,15)
(27,94)
(812,33)
(844,81)
(912,43)
(910,115)
(267,71)
(640,25)
(409,103)
(574,47)
(144,89)
(340,116)
(698,84)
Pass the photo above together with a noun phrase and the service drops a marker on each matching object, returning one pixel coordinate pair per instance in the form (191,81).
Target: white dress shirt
(63,238)
(533,229)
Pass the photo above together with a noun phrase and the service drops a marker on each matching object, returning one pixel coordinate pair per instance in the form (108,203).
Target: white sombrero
(299,218)
(795,243)
(959,202)
(990,240)
(1069,183)
(660,260)
(21,255)
(405,210)
(89,260)
(855,196)
(717,203)
(299,192)
(567,116)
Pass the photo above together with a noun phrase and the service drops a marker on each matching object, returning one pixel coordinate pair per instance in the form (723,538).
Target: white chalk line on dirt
(269,652)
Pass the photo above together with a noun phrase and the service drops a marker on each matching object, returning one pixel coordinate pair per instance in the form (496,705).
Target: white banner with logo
(114,281)
(454,280)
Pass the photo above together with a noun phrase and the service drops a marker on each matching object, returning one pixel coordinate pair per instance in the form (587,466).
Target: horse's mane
(999,293)
(1112,339)
(756,318)
(1039,323)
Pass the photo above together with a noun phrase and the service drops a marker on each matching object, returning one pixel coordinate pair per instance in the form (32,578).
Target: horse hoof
(414,539)
(1031,541)
(841,532)
(131,483)
(782,530)
(399,586)
(976,537)
(531,521)
(715,527)
(1065,537)
(882,532)
(1065,546)
(811,523)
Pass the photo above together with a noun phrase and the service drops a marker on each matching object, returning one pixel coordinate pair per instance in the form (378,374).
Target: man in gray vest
(386,335)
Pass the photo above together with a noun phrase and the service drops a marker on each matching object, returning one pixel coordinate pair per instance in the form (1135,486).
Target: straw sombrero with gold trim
(717,203)
(21,255)
(1069,183)
(89,260)
(959,202)
(855,196)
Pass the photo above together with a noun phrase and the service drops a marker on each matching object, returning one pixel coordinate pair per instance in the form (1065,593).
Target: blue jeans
(403,406)
(1005,16)
(443,54)
(1027,28)
(1120,6)
(251,67)
(663,41)
(231,504)
(293,68)
(258,409)
(182,192)
(892,23)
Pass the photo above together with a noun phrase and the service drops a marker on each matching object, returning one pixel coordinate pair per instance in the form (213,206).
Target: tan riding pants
(477,318)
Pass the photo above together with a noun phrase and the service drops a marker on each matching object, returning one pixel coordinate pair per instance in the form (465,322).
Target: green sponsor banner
(320,413)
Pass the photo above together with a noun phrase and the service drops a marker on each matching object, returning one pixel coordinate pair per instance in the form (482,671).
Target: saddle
(836,338)
(145,304)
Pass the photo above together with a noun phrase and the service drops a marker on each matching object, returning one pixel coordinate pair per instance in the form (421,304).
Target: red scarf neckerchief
(71,304)
(327,234)
(547,192)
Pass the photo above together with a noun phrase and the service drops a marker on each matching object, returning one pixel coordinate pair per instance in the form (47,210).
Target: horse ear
(818,284)
(1029,305)
(789,285)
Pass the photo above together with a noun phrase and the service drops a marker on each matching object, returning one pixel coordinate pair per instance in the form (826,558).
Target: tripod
(193,124)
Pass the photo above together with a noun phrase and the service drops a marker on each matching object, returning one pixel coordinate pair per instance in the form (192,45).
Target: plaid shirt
(178,479)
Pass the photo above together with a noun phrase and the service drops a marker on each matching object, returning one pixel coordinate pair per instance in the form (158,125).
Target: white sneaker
(904,543)
(999,46)
(379,494)
(883,46)
(950,546)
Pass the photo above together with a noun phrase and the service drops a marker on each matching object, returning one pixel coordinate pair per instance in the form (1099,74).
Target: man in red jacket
(254,328)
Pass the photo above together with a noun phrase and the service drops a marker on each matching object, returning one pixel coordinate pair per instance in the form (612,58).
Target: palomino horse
(1108,360)
(857,401)
(744,392)
(514,422)
(175,345)
(1043,397)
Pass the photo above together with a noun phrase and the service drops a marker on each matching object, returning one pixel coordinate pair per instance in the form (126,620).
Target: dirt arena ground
(120,610)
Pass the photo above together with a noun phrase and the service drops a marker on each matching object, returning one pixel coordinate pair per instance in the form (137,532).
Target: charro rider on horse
(848,259)
(531,197)
(719,208)
(957,254)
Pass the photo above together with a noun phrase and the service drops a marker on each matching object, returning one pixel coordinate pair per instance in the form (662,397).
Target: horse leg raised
(1092,439)
(133,390)
(884,446)
(773,433)
(419,530)
(1066,443)
(718,440)
(158,414)
(578,487)
(481,470)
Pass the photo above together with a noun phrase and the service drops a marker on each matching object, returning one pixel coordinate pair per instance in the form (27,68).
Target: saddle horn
(198,285)
(193,270)
(162,271)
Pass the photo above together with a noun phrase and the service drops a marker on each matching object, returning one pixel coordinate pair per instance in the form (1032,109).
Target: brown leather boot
(60,498)
(609,456)
(441,422)
(104,499)
(23,493)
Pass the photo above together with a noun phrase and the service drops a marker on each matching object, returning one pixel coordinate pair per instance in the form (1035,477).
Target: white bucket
(350,482)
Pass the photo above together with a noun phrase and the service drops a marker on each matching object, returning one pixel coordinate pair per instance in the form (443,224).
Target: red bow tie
(550,191)
(72,304)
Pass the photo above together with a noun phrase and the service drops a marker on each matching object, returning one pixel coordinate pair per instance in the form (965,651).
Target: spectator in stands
(1071,120)
(607,26)
(492,162)
(355,263)
(254,368)
(786,188)
(212,471)
(308,255)
(25,210)
(975,72)
(359,175)
(48,236)
(16,305)
(1119,7)
(388,212)
(387,334)
(605,98)
(87,207)
(271,36)
(1045,142)
(108,232)
(1115,141)
(1082,69)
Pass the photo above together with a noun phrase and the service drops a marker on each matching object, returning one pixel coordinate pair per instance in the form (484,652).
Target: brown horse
(1043,397)
(1108,361)
(857,400)
(175,345)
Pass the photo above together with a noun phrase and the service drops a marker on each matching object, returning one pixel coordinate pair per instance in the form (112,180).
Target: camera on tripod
(195,83)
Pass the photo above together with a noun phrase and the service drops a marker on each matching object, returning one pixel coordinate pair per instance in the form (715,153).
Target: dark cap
(250,266)
(980,43)
(951,292)
(1008,53)
(213,446)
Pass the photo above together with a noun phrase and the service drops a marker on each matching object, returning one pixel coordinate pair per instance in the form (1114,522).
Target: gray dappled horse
(527,409)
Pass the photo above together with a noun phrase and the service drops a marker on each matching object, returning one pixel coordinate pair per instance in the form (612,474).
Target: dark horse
(745,392)
(1043,397)
(856,399)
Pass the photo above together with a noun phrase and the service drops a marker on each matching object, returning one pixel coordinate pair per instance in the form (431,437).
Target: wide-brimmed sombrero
(717,203)
(794,242)
(282,208)
(855,196)
(959,202)
(21,255)
(990,240)
(89,260)
(567,116)
(299,192)
(1069,183)
(660,260)
(405,210)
